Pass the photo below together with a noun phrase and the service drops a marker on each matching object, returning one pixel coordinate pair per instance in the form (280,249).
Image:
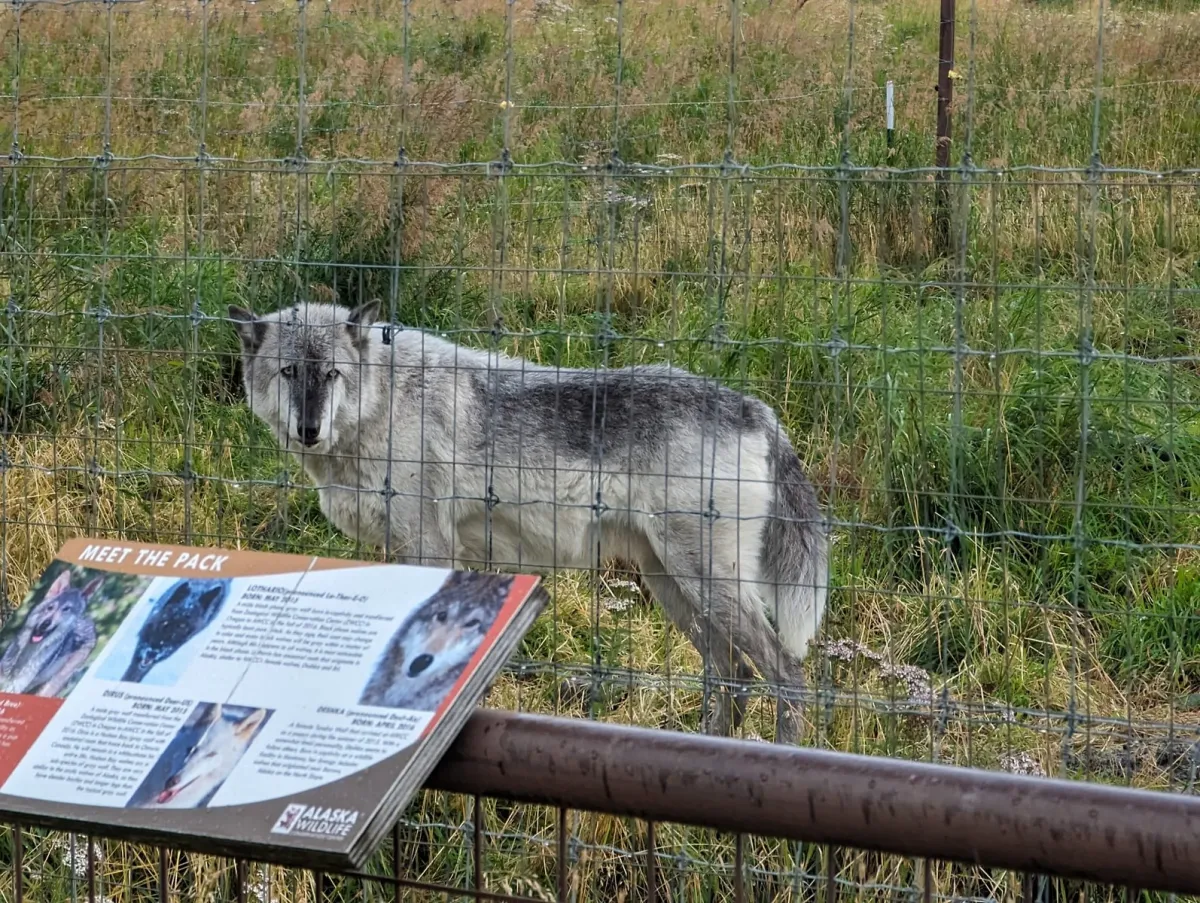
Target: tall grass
(1005,428)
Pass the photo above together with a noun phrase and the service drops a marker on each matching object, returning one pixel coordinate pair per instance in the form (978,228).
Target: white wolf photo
(209,760)
(444,455)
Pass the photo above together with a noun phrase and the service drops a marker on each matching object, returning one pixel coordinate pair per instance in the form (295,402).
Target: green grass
(119,398)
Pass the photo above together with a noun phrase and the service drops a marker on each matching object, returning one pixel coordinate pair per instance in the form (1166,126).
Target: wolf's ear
(250,328)
(211,599)
(245,728)
(92,587)
(361,319)
(60,585)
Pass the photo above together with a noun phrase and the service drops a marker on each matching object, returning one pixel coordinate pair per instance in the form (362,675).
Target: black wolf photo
(182,612)
(444,455)
(432,647)
(74,616)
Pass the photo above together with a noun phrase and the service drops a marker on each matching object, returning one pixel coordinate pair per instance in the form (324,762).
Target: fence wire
(989,370)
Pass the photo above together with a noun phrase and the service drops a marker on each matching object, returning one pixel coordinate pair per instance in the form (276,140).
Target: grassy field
(1006,428)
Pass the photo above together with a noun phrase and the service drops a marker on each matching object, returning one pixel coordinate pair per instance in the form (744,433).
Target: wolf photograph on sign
(163,644)
(444,455)
(200,757)
(69,616)
(433,646)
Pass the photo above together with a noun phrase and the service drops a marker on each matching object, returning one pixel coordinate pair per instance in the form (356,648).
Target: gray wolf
(56,639)
(440,454)
(432,647)
(209,761)
(179,614)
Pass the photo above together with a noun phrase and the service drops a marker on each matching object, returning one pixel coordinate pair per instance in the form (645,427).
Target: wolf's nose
(419,664)
(310,434)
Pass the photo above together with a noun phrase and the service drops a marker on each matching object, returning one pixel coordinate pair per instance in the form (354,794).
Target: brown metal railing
(1130,839)
(1032,824)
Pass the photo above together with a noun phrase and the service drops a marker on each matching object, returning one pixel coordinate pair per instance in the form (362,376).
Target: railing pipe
(1140,838)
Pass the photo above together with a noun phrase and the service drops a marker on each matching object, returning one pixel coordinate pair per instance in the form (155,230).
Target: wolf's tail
(794,560)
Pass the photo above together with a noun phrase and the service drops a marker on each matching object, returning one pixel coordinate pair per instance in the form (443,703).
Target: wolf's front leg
(423,537)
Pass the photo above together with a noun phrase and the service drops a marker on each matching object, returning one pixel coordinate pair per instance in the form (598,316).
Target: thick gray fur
(429,652)
(54,642)
(446,455)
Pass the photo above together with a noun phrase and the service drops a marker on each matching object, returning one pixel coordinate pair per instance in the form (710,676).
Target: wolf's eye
(288,372)
(441,617)
(474,622)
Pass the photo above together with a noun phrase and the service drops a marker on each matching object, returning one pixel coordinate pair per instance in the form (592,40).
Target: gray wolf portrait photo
(200,757)
(433,646)
(69,616)
(443,455)
(184,610)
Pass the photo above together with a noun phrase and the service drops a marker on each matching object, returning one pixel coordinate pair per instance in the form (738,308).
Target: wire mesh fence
(551,864)
(698,813)
(988,370)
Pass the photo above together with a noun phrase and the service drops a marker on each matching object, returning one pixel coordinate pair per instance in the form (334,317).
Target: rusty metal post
(91,869)
(945,96)
(164,892)
(1071,828)
(561,866)
(18,861)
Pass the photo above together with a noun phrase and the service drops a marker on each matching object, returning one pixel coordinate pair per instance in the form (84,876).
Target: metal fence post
(945,94)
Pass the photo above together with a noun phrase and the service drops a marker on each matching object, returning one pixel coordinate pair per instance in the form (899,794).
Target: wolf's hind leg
(733,617)
(712,642)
